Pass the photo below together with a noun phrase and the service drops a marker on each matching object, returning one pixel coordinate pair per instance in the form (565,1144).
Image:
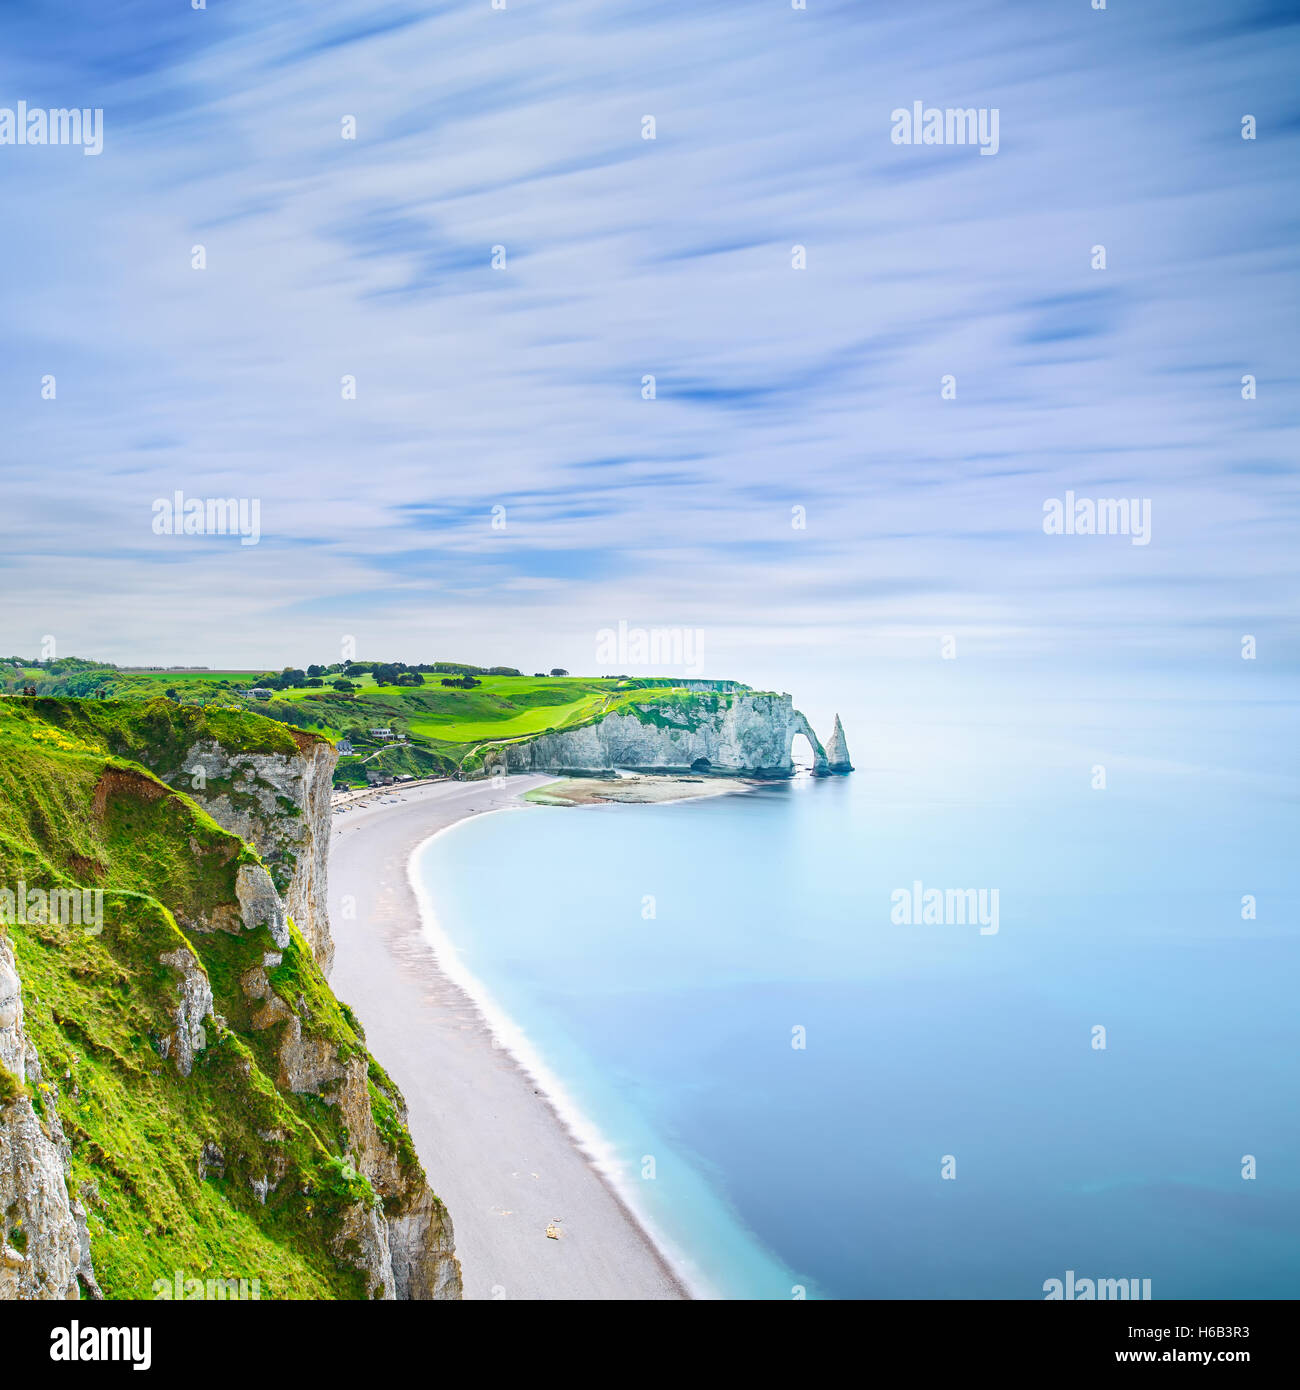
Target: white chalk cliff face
(44,1246)
(281,806)
(717,733)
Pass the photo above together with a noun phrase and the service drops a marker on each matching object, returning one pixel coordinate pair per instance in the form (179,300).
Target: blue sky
(776,387)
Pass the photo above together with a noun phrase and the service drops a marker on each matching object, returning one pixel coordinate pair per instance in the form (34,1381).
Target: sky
(783,395)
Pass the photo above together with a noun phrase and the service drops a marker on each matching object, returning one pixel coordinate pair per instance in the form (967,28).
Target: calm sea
(785,1073)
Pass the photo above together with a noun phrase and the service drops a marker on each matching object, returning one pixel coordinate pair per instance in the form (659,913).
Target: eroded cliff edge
(44,1247)
(731,733)
(272,790)
(181,1094)
(280,803)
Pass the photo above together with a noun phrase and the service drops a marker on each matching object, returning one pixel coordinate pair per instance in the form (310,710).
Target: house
(345,748)
(406,777)
(260,693)
(383,735)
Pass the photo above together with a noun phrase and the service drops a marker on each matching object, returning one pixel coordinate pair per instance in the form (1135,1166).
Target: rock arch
(799,725)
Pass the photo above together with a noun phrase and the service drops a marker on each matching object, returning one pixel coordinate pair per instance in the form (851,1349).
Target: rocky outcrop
(425,1266)
(41,1237)
(280,804)
(363,1241)
(193,1008)
(403,1243)
(837,750)
(745,734)
(420,1240)
(260,905)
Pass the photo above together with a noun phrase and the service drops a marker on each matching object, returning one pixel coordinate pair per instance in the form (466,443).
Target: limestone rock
(837,750)
(738,734)
(41,1247)
(211,1160)
(260,904)
(424,1250)
(405,1247)
(192,1009)
(363,1241)
(420,1238)
(281,806)
(85,1270)
(11,1009)
(307,1064)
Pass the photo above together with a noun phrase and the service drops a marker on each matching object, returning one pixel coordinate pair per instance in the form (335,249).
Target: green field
(502,707)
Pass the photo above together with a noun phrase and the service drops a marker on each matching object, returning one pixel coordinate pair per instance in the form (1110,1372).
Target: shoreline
(510,1037)
(635,789)
(503,1144)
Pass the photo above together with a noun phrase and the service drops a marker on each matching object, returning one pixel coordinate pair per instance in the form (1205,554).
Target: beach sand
(634,789)
(495,1149)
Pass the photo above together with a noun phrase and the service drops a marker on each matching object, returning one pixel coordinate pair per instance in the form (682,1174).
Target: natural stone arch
(800,725)
(798,742)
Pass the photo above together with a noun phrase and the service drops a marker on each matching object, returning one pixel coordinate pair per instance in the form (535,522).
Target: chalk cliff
(280,804)
(180,1090)
(837,750)
(272,791)
(740,733)
(43,1245)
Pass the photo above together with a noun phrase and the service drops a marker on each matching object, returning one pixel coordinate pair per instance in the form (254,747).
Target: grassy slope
(96,1005)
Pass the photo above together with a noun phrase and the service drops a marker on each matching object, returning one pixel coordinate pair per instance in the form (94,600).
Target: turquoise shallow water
(820,1167)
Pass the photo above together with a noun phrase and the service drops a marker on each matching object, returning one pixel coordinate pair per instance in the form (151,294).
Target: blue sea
(802,1093)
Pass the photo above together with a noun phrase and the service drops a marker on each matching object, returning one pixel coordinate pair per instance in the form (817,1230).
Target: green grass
(75,811)
(11,1088)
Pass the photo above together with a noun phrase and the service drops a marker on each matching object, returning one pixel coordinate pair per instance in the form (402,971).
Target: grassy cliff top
(444,726)
(161,726)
